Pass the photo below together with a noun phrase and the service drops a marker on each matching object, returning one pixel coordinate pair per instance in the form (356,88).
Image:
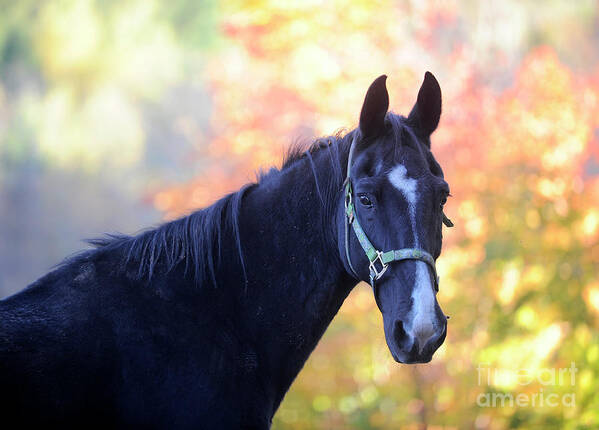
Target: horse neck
(296,281)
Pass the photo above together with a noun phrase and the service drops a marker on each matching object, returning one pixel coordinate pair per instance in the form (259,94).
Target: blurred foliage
(76,73)
(518,140)
(90,93)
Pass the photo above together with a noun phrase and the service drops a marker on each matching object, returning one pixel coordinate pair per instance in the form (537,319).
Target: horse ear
(374,109)
(427,110)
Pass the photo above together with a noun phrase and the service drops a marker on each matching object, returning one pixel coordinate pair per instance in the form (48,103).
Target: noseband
(378,260)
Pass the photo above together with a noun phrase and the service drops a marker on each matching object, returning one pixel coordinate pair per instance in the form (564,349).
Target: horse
(205,321)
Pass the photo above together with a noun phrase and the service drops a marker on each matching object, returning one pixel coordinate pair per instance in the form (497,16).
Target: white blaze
(407,186)
(423,298)
(423,308)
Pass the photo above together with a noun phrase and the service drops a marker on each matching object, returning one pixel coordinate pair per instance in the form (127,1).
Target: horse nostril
(437,339)
(402,339)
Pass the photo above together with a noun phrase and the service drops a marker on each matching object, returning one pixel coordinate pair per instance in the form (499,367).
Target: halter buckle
(348,203)
(350,217)
(376,274)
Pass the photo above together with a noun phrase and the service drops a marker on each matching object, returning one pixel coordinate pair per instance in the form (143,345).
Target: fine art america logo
(542,397)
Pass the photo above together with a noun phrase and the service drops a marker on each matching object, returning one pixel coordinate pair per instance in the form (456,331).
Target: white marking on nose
(421,324)
(423,306)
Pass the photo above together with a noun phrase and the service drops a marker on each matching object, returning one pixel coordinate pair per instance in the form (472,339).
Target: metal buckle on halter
(348,202)
(350,216)
(374,271)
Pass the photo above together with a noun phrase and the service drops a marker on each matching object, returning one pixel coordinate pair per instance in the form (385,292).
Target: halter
(378,260)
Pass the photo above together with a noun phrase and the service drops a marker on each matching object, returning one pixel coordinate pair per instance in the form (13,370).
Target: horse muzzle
(410,348)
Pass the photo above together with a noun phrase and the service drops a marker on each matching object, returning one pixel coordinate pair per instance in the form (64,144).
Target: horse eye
(365,200)
(443,201)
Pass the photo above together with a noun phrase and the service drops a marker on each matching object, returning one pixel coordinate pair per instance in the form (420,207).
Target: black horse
(204,322)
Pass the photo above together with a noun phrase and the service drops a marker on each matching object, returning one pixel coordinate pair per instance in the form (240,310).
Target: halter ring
(374,271)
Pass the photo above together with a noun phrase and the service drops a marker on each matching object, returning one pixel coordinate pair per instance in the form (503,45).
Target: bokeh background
(116,115)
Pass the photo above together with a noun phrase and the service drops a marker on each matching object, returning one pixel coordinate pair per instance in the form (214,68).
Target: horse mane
(301,148)
(197,238)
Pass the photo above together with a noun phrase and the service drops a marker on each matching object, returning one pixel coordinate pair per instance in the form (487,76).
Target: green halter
(379,261)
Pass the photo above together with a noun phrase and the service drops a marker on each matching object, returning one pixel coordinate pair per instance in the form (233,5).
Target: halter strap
(378,260)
